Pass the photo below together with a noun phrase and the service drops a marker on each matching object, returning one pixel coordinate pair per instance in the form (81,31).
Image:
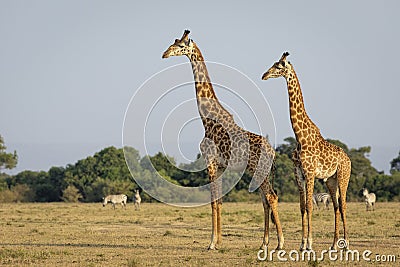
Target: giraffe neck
(305,130)
(208,105)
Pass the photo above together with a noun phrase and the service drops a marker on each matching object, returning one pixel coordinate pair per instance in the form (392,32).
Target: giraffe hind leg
(270,202)
(343,176)
(298,173)
(332,185)
(263,170)
(309,207)
(219,208)
(266,220)
(273,202)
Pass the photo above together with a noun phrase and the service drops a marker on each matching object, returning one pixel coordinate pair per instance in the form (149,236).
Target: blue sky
(68,69)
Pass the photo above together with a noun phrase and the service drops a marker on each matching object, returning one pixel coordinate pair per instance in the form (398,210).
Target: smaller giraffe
(313,158)
(138,200)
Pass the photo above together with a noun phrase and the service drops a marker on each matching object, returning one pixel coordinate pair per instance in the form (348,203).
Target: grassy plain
(62,234)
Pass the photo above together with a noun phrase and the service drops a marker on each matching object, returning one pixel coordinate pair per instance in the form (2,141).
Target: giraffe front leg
(215,211)
(219,222)
(210,154)
(309,206)
(332,185)
(303,220)
(214,233)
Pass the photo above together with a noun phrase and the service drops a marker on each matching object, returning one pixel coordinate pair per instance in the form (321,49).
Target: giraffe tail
(264,169)
(273,218)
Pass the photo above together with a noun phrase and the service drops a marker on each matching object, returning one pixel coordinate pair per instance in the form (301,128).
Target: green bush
(71,194)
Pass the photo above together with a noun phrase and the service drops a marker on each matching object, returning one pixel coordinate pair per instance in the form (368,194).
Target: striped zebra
(115,199)
(369,199)
(138,199)
(321,198)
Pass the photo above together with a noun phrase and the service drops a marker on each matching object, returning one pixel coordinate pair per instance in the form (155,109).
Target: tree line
(106,172)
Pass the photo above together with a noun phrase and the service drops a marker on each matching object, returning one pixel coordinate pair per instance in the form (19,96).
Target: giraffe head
(279,69)
(183,46)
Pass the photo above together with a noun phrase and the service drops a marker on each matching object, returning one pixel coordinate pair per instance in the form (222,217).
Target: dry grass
(61,234)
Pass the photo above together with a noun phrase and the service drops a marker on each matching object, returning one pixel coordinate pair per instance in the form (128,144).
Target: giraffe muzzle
(165,55)
(265,76)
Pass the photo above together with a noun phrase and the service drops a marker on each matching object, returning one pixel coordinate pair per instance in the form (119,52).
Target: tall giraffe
(314,157)
(226,145)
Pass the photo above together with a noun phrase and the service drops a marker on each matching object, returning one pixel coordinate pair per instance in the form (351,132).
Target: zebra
(138,199)
(115,199)
(321,197)
(369,199)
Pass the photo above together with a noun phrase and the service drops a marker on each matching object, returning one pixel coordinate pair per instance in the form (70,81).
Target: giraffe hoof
(264,247)
(212,247)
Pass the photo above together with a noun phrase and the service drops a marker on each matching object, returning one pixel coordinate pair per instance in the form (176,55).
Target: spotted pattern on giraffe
(314,157)
(226,145)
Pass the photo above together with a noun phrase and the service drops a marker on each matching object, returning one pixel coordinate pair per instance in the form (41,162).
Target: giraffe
(313,157)
(225,144)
